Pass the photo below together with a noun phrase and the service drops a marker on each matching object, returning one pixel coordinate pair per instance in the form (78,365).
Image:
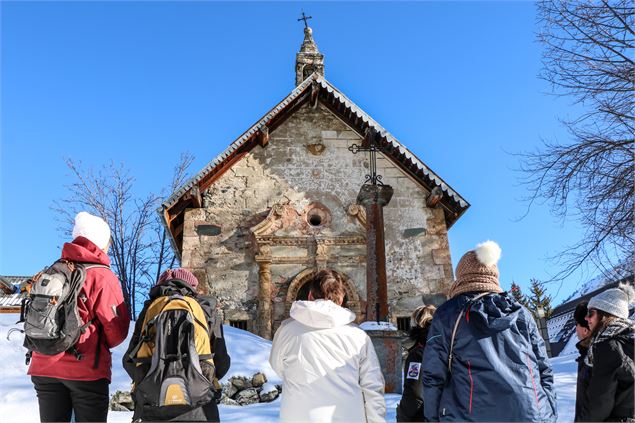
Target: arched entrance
(299,290)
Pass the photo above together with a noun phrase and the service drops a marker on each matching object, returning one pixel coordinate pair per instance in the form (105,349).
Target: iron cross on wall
(372,146)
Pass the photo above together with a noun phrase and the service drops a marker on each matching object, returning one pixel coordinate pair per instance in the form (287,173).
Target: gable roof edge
(242,139)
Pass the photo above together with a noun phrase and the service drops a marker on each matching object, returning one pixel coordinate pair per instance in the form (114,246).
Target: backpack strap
(99,342)
(209,303)
(22,310)
(145,330)
(203,325)
(94,320)
(456,326)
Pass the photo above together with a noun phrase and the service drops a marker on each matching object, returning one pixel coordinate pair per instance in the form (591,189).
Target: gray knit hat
(614,301)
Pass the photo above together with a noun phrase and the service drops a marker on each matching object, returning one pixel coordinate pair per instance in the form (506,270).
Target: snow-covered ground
(249,354)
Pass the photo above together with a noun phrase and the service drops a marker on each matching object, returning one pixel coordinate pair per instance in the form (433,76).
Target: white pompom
(488,253)
(629,290)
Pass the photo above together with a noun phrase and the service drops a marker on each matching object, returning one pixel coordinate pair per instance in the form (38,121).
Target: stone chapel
(280,203)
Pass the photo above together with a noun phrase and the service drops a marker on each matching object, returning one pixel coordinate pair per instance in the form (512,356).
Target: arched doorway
(299,290)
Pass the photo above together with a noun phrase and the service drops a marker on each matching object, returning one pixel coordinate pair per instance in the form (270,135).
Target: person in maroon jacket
(66,386)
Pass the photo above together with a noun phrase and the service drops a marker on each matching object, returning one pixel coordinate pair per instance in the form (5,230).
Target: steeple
(309,59)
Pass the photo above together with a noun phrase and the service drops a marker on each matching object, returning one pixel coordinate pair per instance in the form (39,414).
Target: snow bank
(249,354)
(565,371)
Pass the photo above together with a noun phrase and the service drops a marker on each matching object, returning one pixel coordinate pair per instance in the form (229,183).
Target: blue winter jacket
(500,370)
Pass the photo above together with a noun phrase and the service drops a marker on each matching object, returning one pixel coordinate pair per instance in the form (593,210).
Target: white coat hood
(321,314)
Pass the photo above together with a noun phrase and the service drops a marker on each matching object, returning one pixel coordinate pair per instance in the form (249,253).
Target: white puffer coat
(328,365)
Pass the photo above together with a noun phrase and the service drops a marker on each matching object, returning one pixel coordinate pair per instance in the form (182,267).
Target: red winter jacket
(104,303)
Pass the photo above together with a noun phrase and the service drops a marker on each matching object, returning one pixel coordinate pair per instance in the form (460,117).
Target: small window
(238,324)
(208,230)
(403,323)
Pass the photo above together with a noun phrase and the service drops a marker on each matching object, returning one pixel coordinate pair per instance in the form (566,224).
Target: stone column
(374,198)
(321,255)
(264,296)
(388,348)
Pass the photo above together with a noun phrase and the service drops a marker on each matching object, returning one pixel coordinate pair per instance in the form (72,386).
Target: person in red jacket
(66,386)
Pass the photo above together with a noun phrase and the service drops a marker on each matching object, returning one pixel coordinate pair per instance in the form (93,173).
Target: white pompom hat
(94,228)
(477,270)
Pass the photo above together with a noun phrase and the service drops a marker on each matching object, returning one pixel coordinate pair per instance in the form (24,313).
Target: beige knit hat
(477,270)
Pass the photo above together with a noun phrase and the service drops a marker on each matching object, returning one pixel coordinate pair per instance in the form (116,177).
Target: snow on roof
(12,300)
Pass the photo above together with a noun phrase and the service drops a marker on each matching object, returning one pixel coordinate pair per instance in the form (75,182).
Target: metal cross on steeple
(305,18)
(372,148)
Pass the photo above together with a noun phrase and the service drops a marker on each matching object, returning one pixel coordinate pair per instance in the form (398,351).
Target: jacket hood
(171,287)
(84,251)
(321,314)
(497,311)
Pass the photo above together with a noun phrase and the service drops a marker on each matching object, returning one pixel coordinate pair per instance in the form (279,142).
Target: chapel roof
(313,89)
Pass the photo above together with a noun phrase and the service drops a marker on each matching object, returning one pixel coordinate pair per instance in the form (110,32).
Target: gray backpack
(51,319)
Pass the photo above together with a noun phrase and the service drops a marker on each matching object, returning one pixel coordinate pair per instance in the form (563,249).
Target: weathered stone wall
(307,161)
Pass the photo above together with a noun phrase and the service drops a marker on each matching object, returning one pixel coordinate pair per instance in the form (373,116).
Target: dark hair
(329,285)
(604,319)
(580,313)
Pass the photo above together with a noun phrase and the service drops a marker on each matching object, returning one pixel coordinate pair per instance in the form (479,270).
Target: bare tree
(162,250)
(139,242)
(588,58)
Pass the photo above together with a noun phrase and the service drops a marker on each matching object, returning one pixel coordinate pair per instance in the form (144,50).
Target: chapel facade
(280,204)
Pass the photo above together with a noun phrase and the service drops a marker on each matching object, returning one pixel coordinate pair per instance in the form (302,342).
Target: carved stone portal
(351,299)
(288,238)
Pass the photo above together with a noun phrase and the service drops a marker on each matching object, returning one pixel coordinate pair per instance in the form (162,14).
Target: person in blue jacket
(485,359)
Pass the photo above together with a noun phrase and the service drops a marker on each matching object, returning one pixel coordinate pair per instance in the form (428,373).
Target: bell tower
(308,59)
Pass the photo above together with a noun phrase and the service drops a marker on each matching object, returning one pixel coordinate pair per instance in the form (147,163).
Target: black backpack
(170,358)
(51,320)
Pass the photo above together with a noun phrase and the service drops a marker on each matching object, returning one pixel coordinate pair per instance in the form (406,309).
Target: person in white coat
(328,365)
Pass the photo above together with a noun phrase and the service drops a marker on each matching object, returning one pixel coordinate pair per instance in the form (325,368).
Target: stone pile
(238,390)
(121,401)
(243,390)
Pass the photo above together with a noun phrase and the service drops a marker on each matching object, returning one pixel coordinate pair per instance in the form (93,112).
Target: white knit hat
(614,301)
(94,228)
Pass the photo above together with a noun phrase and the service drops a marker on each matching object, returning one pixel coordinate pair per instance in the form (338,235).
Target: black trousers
(59,399)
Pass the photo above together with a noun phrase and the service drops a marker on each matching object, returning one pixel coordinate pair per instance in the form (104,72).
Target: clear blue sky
(139,82)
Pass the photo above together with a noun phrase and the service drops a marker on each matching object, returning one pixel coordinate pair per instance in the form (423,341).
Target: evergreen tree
(539,297)
(518,295)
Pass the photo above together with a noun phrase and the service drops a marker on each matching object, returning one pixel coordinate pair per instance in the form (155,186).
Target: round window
(317,216)
(315,219)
